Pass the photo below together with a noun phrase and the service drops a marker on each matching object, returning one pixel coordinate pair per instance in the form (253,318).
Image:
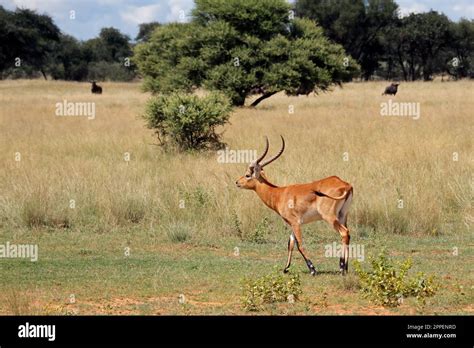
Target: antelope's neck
(267,193)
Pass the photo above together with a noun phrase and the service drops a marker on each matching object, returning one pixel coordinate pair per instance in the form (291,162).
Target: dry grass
(390,158)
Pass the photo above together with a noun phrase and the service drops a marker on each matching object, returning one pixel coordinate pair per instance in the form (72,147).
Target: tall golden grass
(72,172)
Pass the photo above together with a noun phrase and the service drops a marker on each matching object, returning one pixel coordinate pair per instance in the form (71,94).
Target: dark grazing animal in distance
(96,89)
(392,89)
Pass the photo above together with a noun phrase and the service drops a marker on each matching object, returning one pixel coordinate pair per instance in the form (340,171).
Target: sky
(83,19)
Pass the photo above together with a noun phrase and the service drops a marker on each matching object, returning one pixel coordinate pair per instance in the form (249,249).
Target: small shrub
(197,196)
(386,284)
(179,232)
(236,224)
(201,196)
(187,121)
(261,230)
(272,288)
(421,287)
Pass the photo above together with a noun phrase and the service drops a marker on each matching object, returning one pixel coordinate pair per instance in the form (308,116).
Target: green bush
(236,224)
(188,121)
(387,283)
(272,288)
(198,196)
(261,230)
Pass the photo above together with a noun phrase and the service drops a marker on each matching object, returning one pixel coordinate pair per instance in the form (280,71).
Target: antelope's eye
(248,176)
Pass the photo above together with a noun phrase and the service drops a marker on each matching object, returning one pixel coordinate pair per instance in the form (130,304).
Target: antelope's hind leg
(344,232)
(345,238)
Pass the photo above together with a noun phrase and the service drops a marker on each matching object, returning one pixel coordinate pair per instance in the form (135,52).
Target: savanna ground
(140,233)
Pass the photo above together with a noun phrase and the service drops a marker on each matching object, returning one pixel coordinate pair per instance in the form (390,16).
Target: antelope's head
(255,172)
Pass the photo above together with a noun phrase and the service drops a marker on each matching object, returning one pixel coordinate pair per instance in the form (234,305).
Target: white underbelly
(310,216)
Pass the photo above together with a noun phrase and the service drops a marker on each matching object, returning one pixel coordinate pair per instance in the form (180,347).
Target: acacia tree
(242,48)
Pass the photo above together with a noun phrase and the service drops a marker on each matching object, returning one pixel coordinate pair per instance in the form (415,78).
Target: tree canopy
(145,30)
(243,48)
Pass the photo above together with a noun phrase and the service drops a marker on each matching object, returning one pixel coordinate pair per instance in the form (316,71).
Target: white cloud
(414,7)
(40,5)
(465,10)
(179,9)
(58,9)
(140,14)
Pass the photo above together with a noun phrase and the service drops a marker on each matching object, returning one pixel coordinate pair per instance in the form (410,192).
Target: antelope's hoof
(313,272)
(285,270)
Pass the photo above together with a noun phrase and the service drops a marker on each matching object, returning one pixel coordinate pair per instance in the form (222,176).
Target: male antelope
(327,199)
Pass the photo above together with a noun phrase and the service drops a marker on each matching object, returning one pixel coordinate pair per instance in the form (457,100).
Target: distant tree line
(385,45)
(32,45)
(382,44)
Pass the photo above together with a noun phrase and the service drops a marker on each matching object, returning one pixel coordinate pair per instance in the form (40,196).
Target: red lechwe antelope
(327,199)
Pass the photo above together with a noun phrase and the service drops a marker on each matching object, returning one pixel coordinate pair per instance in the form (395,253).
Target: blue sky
(92,15)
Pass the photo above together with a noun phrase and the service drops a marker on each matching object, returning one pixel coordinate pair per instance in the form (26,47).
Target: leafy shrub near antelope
(188,121)
(271,288)
(386,284)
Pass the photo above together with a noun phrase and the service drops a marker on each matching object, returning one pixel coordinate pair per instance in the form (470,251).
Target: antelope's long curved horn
(277,155)
(264,152)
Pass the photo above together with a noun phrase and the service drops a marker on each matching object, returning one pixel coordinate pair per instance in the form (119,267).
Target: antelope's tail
(320,194)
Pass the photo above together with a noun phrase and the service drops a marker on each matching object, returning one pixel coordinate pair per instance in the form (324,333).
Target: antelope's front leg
(291,245)
(299,244)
